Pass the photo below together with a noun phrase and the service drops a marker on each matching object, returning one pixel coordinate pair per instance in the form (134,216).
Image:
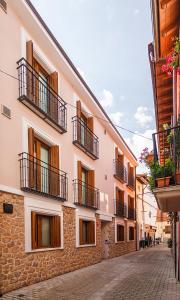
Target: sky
(107,40)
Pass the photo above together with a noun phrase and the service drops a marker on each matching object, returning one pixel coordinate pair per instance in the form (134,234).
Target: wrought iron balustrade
(120,171)
(39,177)
(85,195)
(36,93)
(120,209)
(131,213)
(84,138)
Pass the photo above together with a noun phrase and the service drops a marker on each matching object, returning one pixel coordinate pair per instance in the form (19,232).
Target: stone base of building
(19,268)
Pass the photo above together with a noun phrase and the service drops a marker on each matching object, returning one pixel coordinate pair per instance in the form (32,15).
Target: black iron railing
(120,209)
(131,213)
(39,177)
(166,147)
(85,195)
(120,171)
(84,138)
(131,181)
(37,94)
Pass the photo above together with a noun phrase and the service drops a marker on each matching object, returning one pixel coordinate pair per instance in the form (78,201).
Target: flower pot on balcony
(178,176)
(162,182)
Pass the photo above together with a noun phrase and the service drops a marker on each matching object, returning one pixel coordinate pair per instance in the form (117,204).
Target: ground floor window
(45,231)
(120,233)
(131,233)
(86,232)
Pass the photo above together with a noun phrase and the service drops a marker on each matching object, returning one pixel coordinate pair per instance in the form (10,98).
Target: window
(42,153)
(84,184)
(120,233)
(86,232)
(131,233)
(45,231)
(43,166)
(40,86)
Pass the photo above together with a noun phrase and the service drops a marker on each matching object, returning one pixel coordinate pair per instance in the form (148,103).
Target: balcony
(37,94)
(120,209)
(84,138)
(131,181)
(120,171)
(167,182)
(131,213)
(85,195)
(41,178)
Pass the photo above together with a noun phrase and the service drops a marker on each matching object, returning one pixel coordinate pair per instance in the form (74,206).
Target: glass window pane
(46,226)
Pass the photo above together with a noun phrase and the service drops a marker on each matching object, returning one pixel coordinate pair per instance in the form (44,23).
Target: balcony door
(42,79)
(83,130)
(42,154)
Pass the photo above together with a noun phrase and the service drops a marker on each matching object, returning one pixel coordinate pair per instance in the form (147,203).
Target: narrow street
(146,274)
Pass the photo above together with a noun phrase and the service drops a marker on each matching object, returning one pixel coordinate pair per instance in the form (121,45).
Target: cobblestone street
(146,274)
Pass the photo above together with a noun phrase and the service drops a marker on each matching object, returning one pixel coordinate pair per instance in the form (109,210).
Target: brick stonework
(19,269)
(119,248)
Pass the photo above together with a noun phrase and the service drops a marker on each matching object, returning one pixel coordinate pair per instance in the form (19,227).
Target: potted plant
(162,173)
(159,174)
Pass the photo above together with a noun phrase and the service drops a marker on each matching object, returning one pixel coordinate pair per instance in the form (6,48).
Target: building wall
(20,265)
(146,211)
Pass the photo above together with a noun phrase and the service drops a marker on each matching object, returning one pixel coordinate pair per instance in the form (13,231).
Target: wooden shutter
(56,231)
(89,135)
(116,153)
(92,199)
(36,91)
(54,171)
(90,124)
(31,156)
(53,105)
(81,241)
(39,171)
(91,232)
(78,108)
(29,52)
(33,230)
(29,58)
(79,174)
(118,232)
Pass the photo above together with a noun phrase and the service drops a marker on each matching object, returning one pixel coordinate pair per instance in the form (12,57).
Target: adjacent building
(166,89)
(67,177)
(146,212)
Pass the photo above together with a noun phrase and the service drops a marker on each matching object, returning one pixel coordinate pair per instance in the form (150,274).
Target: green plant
(160,171)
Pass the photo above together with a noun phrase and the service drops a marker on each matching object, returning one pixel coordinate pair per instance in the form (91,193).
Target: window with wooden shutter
(91,182)
(86,232)
(120,233)
(45,231)
(131,233)
(53,101)
(79,174)
(31,157)
(29,58)
(54,171)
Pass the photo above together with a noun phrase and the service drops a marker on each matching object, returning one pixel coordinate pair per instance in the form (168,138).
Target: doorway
(105,239)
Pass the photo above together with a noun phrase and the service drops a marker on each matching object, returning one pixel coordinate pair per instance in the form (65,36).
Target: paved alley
(146,274)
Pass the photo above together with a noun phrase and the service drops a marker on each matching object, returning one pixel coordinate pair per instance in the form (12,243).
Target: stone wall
(19,269)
